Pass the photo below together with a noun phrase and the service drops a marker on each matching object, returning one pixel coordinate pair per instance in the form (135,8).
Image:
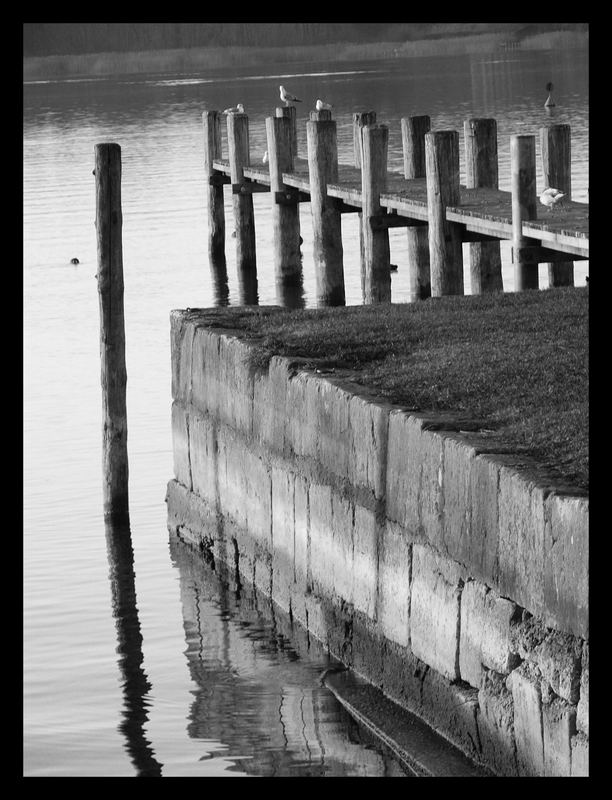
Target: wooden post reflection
(129,647)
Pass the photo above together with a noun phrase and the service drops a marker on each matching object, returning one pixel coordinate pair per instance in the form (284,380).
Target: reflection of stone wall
(257,693)
(435,562)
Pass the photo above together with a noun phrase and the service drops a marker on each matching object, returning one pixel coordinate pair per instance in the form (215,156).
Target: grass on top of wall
(516,361)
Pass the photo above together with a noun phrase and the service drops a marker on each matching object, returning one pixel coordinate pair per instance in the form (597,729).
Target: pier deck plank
(483,211)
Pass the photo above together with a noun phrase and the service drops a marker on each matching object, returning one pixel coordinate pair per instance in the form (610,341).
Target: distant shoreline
(216,58)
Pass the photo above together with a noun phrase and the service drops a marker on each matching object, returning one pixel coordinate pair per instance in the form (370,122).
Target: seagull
(264,160)
(239,109)
(550,198)
(321,106)
(287,97)
(550,103)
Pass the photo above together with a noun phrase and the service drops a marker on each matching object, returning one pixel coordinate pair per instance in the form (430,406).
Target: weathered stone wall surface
(443,568)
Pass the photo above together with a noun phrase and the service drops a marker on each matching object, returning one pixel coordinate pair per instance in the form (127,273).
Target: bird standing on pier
(550,198)
(550,103)
(239,109)
(321,106)
(287,97)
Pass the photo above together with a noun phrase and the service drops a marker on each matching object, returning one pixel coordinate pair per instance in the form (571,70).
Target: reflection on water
(257,687)
(136,686)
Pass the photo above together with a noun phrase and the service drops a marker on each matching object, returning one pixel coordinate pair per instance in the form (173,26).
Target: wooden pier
(427,199)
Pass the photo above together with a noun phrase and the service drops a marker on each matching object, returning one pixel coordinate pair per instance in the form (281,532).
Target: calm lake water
(143,662)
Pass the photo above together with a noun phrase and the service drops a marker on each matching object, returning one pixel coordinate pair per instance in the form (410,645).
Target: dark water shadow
(220,281)
(135,683)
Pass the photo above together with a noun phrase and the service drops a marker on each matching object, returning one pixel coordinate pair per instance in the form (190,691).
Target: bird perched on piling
(287,97)
(264,160)
(321,106)
(550,198)
(239,109)
(550,103)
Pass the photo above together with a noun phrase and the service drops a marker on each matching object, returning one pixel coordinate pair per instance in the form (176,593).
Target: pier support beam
(244,219)
(482,171)
(285,215)
(326,218)
(555,146)
(413,144)
(445,241)
(524,199)
(211,122)
(290,113)
(376,254)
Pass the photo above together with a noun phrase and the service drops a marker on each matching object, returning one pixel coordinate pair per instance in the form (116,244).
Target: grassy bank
(517,362)
(198,59)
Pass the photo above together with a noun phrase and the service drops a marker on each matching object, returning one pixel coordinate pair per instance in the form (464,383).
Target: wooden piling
(326,218)
(109,221)
(244,218)
(524,199)
(211,122)
(285,203)
(482,171)
(555,147)
(445,245)
(290,112)
(376,255)
(360,119)
(413,145)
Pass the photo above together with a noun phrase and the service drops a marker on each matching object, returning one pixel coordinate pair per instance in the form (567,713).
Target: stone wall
(437,563)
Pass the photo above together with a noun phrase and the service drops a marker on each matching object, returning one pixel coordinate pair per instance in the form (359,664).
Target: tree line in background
(67,38)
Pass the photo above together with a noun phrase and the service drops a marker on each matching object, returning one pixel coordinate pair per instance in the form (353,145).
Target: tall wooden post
(376,255)
(326,218)
(413,145)
(285,205)
(482,171)
(244,218)
(211,122)
(290,112)
(109,221)
(524,199)
(445,246)
(555,146)
(360,119)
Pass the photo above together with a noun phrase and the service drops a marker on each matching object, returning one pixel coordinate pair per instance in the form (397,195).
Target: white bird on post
(239,109)
(287,97)
(321,106)
(550,198)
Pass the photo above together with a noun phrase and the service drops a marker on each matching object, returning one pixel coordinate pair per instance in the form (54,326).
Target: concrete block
(322,546)
(580,756)
(283,535)
(270,405)
(394,583)
(301,535)
(485,640)
(496,724)
(368,425)
(181,339)
(231,476)
(457,464)
(331,422)
(434,610)
(582,716)
(558,725)
(301,430)
(206,372)
(203,456)
(524,683)
(414,477)
(451,708)
(342,562)
(521,540)
(557,655)
(180,444)
(257,483)
(365,561)
(566,569)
